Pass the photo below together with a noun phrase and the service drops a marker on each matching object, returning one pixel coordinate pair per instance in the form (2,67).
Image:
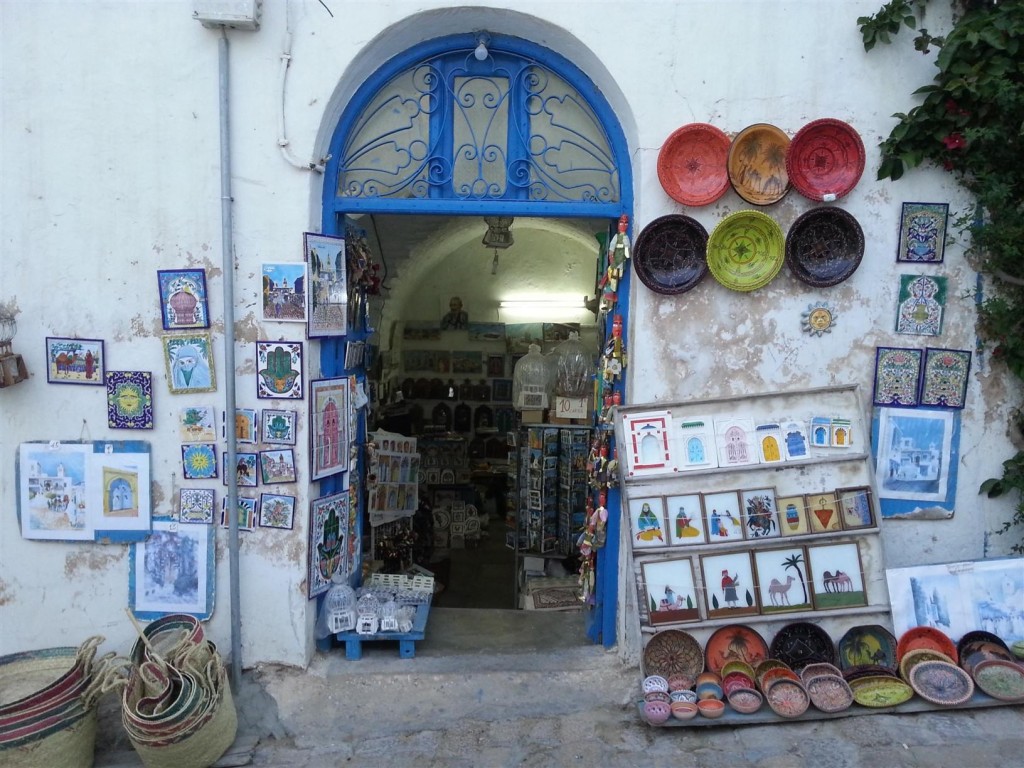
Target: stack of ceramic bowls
(825,685)
(740,688)
(783,689)
(657,702)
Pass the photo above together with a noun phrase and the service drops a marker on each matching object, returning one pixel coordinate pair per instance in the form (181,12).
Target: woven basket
(72,746)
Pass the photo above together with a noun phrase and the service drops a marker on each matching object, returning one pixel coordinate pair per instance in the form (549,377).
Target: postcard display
(756,510)
(394,468)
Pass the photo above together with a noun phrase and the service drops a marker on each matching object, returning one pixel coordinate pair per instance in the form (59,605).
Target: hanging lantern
(12,367)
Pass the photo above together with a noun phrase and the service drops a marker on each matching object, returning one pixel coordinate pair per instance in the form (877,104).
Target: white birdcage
(389,616)
(340,608)
(367,614)
(406,615)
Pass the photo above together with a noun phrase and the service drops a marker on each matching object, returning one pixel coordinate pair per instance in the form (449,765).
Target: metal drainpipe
(228,263)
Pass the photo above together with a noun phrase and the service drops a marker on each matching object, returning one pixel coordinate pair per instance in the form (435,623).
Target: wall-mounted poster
(328,434)
(916,456)
(279,370)
(922,301)
(519,337)
(284,292)
(277,426)
(183,301)
(695,444)
(189,363)
(74,361)
(172,571)
(129,399)
(647,522)
(670,590)
(836,576)
(729,584)
(923,232)
(685,520)
(735,440)
(327,296)
(328,542)
(782,580)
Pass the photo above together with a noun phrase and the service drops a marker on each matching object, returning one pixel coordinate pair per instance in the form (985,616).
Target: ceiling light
(498,234)
(481,51)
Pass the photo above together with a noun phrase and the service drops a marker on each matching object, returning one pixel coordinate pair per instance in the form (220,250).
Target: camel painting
(836,575)
(782,580)
(74,361)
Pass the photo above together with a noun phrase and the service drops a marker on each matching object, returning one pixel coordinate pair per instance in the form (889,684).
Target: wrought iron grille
(452,127)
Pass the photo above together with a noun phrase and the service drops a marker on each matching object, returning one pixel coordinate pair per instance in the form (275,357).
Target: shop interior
(462,300)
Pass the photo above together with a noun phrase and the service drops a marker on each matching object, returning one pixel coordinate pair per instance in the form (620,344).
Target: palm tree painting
(782,580)
(757,164)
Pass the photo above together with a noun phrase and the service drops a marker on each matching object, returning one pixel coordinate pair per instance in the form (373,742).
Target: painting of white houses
(52,484)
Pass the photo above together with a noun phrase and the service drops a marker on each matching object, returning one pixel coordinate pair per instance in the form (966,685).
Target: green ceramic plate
(880,691)
(746,250)
(1003,680)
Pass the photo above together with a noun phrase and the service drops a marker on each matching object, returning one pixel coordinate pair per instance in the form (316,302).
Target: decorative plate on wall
(824,246)
(1003,680)
(670,254)
(692,164)
(941,682)
(868,644)
(757,164)
(673,652)
(746,250)
(736,642)
(825,159)
(802,643)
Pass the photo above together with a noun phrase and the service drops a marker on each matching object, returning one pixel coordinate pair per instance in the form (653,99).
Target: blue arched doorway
(482,125)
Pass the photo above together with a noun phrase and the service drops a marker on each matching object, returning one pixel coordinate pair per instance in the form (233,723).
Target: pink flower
(955,141)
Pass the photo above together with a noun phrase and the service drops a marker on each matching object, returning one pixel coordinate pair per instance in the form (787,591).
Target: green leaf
(992,487)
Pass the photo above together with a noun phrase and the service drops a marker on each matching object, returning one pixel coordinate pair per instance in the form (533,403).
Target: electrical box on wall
(237,14)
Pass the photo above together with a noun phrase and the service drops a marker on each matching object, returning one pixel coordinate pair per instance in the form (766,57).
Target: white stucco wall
(110,171)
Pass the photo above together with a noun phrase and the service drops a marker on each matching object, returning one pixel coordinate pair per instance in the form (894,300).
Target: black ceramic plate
(802,643)
(670,254)
(824,246)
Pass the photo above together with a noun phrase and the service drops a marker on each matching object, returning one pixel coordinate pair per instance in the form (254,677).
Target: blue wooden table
(406,640)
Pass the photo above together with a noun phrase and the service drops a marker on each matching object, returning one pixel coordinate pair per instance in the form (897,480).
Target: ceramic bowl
(1017,649)
(680,682)
(655,683)
(711,708)
(708,677)
(709,690)
(737,666)
(684,710)
(684,695)
(658,696)
(657,712)
(746,701)
(736,680)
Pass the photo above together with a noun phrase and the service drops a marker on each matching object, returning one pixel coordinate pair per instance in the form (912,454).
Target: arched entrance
(482,125)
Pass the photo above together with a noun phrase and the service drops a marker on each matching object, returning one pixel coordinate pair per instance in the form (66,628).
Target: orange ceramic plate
(757,164)
(692,164)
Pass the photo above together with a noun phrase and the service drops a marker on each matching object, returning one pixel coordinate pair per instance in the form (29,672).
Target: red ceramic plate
(692,164)
(825,159)
(735,642)
(926,637)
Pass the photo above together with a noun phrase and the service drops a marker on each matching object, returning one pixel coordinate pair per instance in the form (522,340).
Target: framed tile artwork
(277,426)
(647,443)
(199,461)
(696,444)
(327,298)
(129,399)
(945,377)
(277,511)
(246,469)
(328,542)
(837,578)
(74,361)
(284,286)
(245,425)
(246,513)
(823,512)
(768,437)
(722,516)
(328,434)
(760,514)
(782,580)
(729,584)
(686,520)
(923,232)
(277,466)
(897,377)
(197,424)
(279,370)
(183,300)
(857,507)
(793,515)
(195,505)
(735,441)
(670,591)
(188,359)
(647,522)
(922,303)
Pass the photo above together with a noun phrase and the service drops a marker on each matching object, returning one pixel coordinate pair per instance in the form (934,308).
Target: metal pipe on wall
(227,260)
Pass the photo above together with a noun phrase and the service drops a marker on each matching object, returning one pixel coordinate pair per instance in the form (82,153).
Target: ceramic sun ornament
(818,319)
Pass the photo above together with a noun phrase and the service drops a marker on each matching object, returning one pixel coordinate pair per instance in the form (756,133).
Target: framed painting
(916,453)
(328,434)
(328,542)
(823,512)
(195,505)
(284,292)
(722,516)
(837,578)
(277,426)
(54,491)
(172,571)
(793,515)
(923,232)
(279,370)
(495,366)
(897,377)
(245,425)
(429,330)
(188,359)
(486,332)
(686,520)
(760,514)
(277,466)
(782,580)
(277,511)
(199,461)
(467,361)
(129,399)
(670,591)
(246,508)
(646,522)
(327,294)
(501,390)
(857,509)
(245,469)
(519,337)
(729,584)
(944,379)
(74,361)
(183,299)
(197,424)
(922,303)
